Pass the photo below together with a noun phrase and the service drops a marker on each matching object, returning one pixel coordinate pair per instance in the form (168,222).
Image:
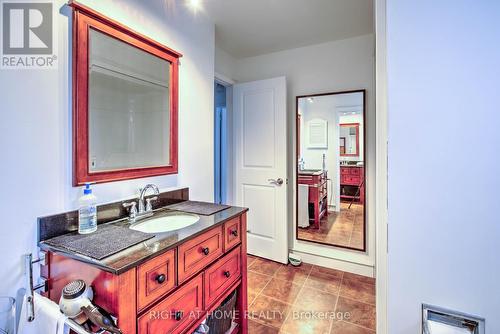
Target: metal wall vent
(437,320)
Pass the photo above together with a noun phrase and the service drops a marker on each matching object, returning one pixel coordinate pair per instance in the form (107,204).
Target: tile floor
(344,228)
(308,300)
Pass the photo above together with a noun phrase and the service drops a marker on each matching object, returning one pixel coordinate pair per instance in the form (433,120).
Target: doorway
(220,143)
(260,172)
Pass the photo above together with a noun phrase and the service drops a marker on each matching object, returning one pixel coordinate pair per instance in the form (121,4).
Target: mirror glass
(349,139)
(129,106)
(331,169)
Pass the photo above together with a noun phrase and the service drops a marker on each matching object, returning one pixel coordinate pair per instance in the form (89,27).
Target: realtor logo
(28,35)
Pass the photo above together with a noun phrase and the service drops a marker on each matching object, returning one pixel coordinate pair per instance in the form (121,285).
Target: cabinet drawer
(352,180)
(177,312)
(155,278)
(232,233)
(220,276)
(355,171)
(197,253)
(344,170)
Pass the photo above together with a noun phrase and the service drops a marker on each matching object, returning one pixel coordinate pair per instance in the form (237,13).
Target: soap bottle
(87,212)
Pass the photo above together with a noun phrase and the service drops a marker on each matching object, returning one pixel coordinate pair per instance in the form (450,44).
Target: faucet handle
(149,207)
(132,206)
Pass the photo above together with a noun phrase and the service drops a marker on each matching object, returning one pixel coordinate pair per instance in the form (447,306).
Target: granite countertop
(162,242)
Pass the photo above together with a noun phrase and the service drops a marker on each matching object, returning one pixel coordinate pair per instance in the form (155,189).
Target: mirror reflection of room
(331,172)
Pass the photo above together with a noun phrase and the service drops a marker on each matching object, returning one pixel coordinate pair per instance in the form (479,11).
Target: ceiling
(246,28)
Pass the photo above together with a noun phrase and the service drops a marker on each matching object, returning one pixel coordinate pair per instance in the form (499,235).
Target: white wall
(444,227)
(35,130)
(225,64)
(334,66)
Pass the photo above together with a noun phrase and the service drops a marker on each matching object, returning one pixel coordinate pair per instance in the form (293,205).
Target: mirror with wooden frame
(125,92)
(349,139)
(331,161)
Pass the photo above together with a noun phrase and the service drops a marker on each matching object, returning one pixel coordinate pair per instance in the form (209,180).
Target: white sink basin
(169,222)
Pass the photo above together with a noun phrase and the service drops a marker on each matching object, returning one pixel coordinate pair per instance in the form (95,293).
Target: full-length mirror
(330,197)
(125,93)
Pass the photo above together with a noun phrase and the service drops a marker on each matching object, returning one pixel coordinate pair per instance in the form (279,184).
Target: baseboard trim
(327,262)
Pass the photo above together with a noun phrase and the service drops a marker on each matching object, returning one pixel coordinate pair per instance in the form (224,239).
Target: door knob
(278,181)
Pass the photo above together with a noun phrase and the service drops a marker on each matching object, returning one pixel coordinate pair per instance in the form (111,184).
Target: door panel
(258,118)
(260,158)
(262,201)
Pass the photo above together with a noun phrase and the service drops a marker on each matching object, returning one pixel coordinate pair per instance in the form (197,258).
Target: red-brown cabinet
(318,193)
(352,184)
(173,291)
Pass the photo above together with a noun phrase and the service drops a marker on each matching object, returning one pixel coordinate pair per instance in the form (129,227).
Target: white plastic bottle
(87,212)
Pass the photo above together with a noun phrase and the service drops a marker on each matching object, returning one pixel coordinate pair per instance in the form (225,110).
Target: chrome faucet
(145,206)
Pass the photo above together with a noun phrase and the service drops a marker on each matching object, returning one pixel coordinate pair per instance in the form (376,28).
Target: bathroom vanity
(352,183)
(168,284)
(317,180)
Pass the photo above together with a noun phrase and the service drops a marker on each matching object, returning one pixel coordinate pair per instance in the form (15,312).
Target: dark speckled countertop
(162,242)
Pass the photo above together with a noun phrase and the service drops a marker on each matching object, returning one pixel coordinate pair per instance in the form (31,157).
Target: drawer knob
(234,232)
(227,274)
(205,250)
(161,278)
(178,315)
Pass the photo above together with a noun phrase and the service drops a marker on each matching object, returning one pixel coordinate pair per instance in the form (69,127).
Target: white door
(260,153)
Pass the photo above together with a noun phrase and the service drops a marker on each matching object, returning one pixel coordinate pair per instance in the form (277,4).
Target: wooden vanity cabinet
(352,177)
(318,194)
(172,292)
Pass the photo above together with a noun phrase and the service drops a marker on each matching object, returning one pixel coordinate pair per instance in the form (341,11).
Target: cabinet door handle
(234,232)
(227,274)
(178,315)
(161,278)
(205,250)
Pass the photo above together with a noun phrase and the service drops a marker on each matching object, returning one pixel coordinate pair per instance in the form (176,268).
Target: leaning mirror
(125,92)
(331,161)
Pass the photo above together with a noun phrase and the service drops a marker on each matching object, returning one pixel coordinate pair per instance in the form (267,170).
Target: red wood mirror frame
(85,18)
(356,127)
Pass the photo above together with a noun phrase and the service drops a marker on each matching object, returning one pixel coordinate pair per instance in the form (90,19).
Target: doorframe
(223,80)
(381,166)
(220,146)
(228,83)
